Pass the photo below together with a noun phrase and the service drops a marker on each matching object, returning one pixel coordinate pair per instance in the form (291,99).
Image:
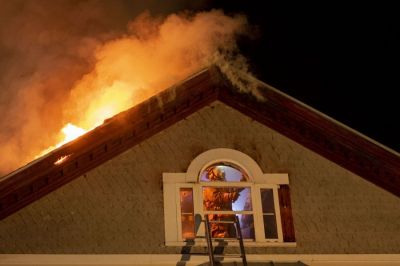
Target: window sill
(232,243)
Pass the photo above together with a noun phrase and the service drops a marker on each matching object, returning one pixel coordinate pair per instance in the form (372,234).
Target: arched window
(225,191)
(222,183)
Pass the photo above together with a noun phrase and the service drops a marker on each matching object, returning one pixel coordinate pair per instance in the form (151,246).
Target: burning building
(307,189)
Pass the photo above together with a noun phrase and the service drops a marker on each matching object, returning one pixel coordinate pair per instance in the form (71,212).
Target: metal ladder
(209,238)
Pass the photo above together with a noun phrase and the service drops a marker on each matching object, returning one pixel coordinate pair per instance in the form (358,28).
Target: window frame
(172,182)
(278,220)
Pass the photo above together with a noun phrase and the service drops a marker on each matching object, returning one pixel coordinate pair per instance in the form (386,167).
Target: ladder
(209,238)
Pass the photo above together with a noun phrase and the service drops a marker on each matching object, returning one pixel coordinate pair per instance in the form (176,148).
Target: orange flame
(107,102)
(135,67)
(61,159)
(70,132)
(111,101)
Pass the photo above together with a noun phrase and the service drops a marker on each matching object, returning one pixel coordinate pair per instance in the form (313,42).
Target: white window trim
(260,222)
(172,182)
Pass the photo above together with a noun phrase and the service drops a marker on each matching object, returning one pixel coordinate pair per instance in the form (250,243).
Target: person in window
(220,199)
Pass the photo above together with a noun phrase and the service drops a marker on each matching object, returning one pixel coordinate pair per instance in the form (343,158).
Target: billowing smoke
(155,54)
(72,63)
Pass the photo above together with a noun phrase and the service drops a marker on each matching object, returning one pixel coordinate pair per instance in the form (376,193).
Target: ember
(62,159)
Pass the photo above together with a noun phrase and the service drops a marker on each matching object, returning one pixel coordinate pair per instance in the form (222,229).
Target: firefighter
(220,199)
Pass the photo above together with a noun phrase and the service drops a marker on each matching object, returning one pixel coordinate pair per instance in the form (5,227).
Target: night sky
(342,60)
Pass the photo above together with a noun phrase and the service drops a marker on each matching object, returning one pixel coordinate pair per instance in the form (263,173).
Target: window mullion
(258,218)
(198,209)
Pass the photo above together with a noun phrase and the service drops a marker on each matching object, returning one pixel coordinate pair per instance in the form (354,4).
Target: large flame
(110,101)
(107,102)
(153,55)
(70,132)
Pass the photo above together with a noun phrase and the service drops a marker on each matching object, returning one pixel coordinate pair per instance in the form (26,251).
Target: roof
(299,122)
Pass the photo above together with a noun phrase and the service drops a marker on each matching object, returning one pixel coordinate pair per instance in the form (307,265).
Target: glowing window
(223,172)
(187,212)
(222,191)
(221,201)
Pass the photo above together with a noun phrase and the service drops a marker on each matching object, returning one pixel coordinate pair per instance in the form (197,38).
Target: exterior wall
(118,207)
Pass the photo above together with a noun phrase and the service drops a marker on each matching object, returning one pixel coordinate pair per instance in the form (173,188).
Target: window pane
(228,230)
(227,199)
(270,226)
(187,226)
(222,230)
(186,195)
(187,214)
(246,225)
(223,172)
(267,199)
(269,217)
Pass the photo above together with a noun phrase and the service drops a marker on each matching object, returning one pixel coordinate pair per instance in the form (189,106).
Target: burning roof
(263,103)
